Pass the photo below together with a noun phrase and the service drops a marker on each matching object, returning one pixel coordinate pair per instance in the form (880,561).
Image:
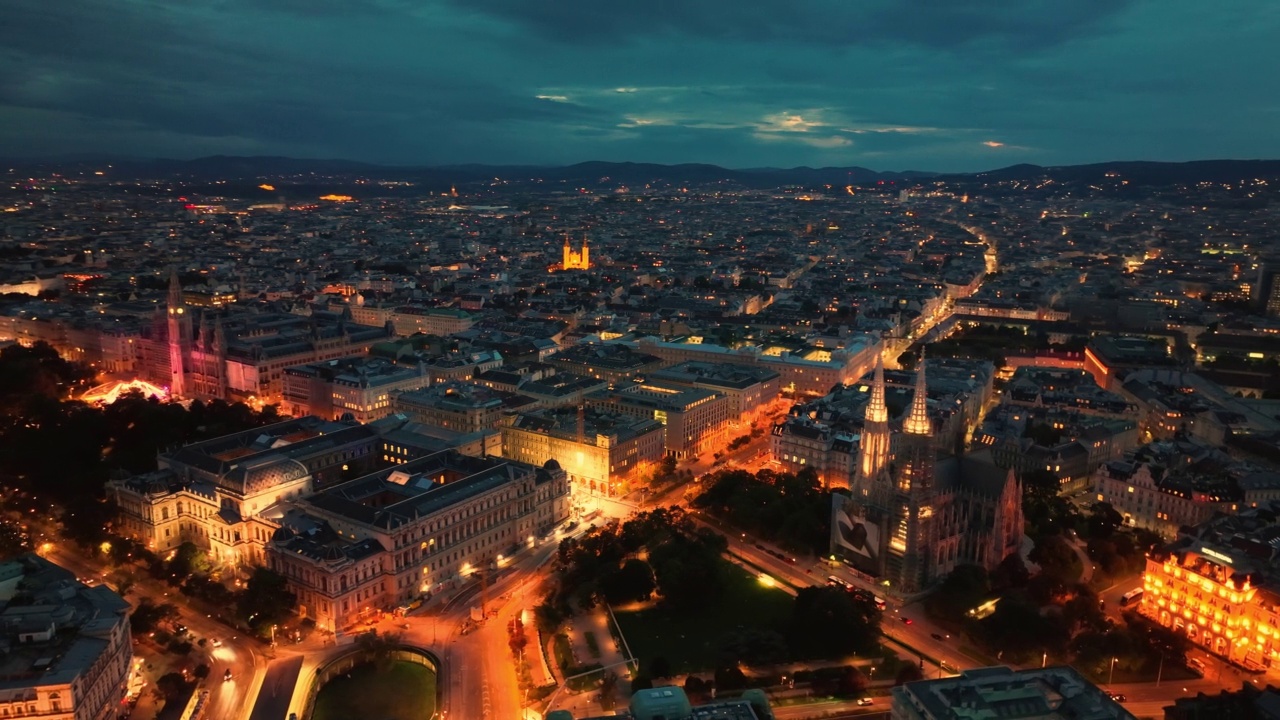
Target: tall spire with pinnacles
(874,445)
(918,422)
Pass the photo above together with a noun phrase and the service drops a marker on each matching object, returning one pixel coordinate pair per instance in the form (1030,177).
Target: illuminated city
(661,361)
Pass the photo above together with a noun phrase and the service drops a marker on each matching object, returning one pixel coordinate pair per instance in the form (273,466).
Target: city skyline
(917,86)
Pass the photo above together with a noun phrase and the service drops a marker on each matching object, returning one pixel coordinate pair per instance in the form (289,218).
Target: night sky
(888,84)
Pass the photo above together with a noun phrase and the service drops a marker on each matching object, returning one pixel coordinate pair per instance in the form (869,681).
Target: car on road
(1197,666)
(226,676)
(1119,697)
(215,642)
(906,621)
(864,701)
(180,629)
(937,636)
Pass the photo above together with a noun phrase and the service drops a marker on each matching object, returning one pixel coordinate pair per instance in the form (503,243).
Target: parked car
(1197,665)
(864,701)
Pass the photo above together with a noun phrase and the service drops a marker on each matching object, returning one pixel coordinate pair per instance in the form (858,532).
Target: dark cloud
(928,84)
(937,23)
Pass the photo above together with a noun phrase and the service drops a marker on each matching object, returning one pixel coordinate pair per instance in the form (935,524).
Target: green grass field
(690,642)
(406,691)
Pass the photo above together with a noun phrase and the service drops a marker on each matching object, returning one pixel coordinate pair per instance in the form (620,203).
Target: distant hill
(248,172)
(1135,171)
(586,174)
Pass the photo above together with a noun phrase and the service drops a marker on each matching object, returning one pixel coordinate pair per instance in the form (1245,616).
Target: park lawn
(690,641)
(405,691)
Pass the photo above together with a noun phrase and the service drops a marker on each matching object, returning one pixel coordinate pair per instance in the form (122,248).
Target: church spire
(918,422)
(175,290)
(877,410)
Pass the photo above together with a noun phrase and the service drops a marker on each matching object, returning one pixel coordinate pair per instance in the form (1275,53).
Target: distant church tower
(576,260)
(179,336)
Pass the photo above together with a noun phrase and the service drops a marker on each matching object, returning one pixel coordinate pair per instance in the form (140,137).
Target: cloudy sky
(888,84)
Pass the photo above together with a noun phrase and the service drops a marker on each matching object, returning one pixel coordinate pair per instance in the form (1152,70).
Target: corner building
(1219,586)
(67,646)
(389,538)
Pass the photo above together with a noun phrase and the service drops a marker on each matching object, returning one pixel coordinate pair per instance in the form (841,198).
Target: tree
(696,689)
(608,690)
(380,647)
(910,672)
(172,686)
(961,590)
(830,622)
(147,615)
(1056,558)
(1104,520)
(633,582)
(265,601)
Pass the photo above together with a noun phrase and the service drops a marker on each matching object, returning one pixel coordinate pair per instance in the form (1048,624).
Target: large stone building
(213,493)
(461,407)
(600,450)
(812,370)
(1218,584)
(1054,693)
(752,391)
(1160,499)
(361,387)
(697,420)
(386,539)
(67,650)
(914,513)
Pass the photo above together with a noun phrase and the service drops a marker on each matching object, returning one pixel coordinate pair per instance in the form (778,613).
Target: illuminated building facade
(214,493)
(240,353)
(600,450)
(1218,584)
(914,516)
(575,260)
(1161,506)
(696,420)
(361,387)
(386,539)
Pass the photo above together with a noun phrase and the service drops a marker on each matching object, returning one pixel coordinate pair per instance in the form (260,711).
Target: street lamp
(1111,676)
(1044,660)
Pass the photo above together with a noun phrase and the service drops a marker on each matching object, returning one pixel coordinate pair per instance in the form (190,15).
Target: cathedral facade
(239,353)
(574,260)
(913,515)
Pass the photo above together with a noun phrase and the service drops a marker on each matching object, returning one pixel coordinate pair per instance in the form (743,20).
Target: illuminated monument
(912,516)
(576,260)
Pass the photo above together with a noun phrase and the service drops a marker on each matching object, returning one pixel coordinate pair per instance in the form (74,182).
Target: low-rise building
(1165,486)
(461,407)
(361,387)
(751,390)
(600,450)
(1056,693)
(697,420)
(613,362)
(67,647)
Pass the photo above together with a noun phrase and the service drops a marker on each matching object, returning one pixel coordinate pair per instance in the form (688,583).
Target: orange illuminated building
(1218,597)
(575,260)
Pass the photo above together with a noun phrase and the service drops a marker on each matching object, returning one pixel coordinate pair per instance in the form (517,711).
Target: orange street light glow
(267,187)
